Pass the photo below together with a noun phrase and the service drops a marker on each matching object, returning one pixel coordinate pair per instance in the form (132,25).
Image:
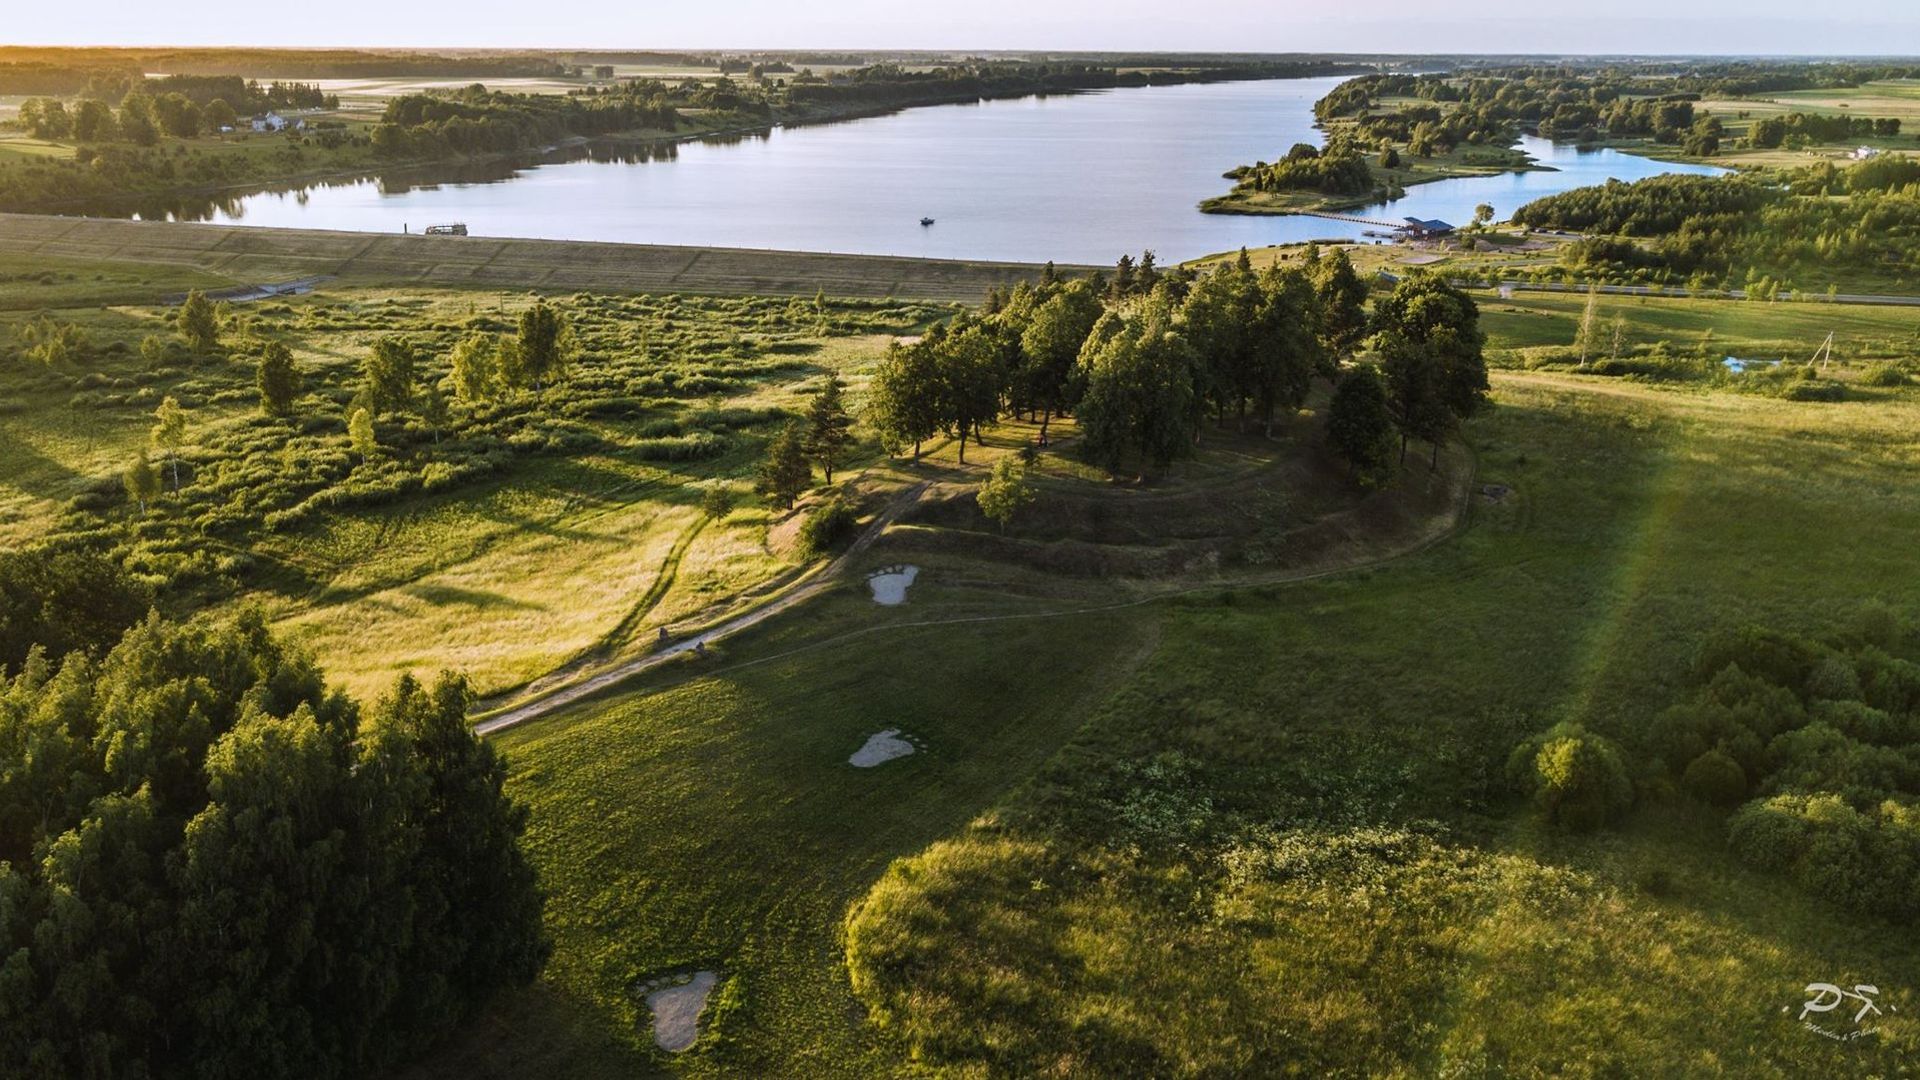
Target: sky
(1854,27)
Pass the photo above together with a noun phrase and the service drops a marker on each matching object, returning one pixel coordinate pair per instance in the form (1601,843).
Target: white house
(276,122)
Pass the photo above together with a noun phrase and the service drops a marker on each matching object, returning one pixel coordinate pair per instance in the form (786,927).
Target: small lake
(1079,178)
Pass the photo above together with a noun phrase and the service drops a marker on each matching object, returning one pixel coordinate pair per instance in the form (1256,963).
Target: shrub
(827,526)
(1715,778)
(1576,778)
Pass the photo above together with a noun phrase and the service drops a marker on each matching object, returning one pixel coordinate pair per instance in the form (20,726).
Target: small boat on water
(925,221)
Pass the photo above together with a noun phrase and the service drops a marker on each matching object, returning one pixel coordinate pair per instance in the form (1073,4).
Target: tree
(1360,426)
(1483,214)
(1342,303)
(829,428)
(1715,777)
(784,472)
(218,115)
(199,324)
(360,435)
(46,118)
(387,374)
(169,433)
(1432,353)
(544,348)
(92,121)
(140,481)
(1140,390)
(433,409)
(1005,490)
(1050,345)
(903,404)
(1284,349)
(1577,779)
(176,115)
(1589,317)
(476,368)
(716,502)
(970,381)
(278,379)
(137,125)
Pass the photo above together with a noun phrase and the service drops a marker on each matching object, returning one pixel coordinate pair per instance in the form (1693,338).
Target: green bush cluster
(1824,737)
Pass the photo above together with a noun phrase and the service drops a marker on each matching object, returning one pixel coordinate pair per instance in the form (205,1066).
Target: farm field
(1099,841)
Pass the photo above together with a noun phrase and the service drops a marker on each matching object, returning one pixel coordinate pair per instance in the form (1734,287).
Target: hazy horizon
(1637,27)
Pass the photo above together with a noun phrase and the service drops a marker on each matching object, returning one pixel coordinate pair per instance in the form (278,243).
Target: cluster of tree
(211,865)
(477,120)
(1339,171)
(64,600)
(1745,229)
(1140,376)
(1493,105)
(246,95)
(823,439)
(1656,206)
(1824,738)
(1803,129)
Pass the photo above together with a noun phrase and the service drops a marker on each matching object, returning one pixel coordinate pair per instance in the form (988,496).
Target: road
(1673,293)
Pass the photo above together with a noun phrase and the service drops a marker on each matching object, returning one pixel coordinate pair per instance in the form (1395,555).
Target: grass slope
(1157,897)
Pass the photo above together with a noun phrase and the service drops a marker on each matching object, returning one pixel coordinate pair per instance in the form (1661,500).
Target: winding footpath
(805,588)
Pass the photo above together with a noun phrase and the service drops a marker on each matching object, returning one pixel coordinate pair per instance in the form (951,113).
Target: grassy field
(251,256)
(1258,820)
(584,533)
(1141,884)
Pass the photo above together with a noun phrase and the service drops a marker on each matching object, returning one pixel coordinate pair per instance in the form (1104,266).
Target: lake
(1076,178)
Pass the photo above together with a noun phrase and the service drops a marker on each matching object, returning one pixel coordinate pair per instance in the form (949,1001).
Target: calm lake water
(1077,178)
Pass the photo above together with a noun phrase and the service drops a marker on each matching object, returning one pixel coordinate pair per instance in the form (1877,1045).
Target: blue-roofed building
(1423,228)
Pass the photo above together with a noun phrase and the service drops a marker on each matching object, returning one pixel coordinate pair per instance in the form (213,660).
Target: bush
(1577,779)
(827,526)
(1715,778)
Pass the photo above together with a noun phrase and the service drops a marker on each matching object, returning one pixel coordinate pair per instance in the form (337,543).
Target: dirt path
(805,588)
(818,581)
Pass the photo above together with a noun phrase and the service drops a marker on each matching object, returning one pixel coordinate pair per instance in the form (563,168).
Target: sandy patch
(880,749)
(676,1009)
(890,585)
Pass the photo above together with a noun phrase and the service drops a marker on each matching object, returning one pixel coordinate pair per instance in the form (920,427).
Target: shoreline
(294,181)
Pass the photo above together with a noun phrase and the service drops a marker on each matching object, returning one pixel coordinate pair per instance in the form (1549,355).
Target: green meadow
(1183,827)
(1245,825)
